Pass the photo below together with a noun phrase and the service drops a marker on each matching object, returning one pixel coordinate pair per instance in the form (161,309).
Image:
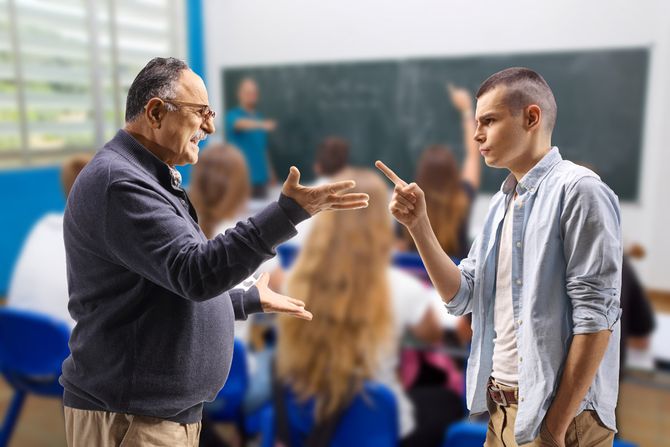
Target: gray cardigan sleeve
(144,233)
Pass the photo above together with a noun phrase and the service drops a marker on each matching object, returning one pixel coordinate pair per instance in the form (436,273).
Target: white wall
(261,32)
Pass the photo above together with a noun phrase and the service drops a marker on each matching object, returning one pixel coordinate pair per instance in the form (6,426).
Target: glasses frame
(205,111)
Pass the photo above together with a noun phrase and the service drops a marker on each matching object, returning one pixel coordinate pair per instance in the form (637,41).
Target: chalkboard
(394,109)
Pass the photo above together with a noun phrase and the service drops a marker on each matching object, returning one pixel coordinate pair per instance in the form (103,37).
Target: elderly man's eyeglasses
(202,109)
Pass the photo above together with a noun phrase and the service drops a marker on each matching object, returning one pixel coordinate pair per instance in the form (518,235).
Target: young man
(542,279)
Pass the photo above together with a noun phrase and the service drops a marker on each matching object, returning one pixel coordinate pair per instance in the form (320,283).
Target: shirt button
(518,244)
(518,281)
(520,322)
(520,359)
(522,399)
(183,202)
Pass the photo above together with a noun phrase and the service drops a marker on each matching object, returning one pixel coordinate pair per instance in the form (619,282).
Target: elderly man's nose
(208,125)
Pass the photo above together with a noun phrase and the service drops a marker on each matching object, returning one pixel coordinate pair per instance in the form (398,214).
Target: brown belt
(500,396)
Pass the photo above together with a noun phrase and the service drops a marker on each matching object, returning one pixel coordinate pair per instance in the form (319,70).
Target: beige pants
(84,428)
(585,430)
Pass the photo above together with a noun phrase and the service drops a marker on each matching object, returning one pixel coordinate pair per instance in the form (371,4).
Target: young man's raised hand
(408,203)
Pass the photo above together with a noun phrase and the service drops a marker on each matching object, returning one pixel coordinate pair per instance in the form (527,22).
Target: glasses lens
(207,113)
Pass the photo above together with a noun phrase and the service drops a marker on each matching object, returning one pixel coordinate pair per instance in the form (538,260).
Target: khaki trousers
(585,430)
(84,428)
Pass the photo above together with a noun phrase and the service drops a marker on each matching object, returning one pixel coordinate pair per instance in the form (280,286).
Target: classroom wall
(256,32)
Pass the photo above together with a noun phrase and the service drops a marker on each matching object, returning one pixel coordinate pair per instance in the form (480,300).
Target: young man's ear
(532,116)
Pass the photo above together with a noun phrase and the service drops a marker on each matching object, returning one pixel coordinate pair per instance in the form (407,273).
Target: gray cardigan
(150,294)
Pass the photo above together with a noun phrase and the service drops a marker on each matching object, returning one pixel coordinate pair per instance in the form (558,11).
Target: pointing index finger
(388,172)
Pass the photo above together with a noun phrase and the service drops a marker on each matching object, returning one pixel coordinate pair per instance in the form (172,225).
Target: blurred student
(248,130)
(39,281)
(332,157)
(450,191)
(363,305)
(637,319)
(219,188)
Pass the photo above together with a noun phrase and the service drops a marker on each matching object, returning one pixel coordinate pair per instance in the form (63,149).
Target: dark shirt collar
(534,177)
(127,146)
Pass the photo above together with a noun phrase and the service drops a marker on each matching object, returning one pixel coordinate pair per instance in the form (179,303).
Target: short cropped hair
(332,155)
(524,87)
(156,80)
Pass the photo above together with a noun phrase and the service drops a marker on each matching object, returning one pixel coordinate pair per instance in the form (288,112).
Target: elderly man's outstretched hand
(325,197)
(272,301)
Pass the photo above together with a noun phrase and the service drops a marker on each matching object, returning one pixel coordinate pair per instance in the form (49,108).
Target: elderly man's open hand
(272,301)
(325,197)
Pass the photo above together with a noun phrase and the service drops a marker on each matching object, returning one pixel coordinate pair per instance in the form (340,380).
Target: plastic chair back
(370,421)
(32,349)
(465,434)
(32,344)
(228,403)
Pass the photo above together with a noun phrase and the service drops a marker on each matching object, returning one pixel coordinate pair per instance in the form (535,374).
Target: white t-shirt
(505,354)
(39,281)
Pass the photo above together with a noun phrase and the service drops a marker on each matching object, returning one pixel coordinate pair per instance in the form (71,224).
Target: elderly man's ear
(155,112)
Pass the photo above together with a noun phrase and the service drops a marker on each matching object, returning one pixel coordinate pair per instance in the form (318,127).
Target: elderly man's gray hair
(157,79)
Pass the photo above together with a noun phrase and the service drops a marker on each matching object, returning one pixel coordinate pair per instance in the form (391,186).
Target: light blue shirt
(566,280)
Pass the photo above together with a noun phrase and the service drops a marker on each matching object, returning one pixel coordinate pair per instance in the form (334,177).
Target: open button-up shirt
(566,280)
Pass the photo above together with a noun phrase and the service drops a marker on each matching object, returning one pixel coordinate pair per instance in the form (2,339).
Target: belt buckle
(501,393)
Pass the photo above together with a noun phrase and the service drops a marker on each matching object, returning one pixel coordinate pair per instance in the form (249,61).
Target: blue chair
(32,349)
(465,434)
(370,421)
(288,253)
(227,407)
(255,421)
(622,443)
(473,434)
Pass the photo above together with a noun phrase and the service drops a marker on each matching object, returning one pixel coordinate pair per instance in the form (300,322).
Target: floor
(644,404)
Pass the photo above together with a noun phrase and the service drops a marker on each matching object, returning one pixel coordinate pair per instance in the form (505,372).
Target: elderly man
(149,292)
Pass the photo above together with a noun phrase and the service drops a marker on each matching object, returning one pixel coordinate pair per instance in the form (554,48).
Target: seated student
(450,193)
(332,157)
(39,281)
(362,306)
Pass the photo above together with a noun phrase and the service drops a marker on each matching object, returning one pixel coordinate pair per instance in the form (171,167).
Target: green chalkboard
(393,109)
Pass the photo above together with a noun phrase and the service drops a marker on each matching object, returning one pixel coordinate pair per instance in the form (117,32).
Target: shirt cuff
(593,321)
(294,212)
(274,225)
(246,302)
(459,303)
